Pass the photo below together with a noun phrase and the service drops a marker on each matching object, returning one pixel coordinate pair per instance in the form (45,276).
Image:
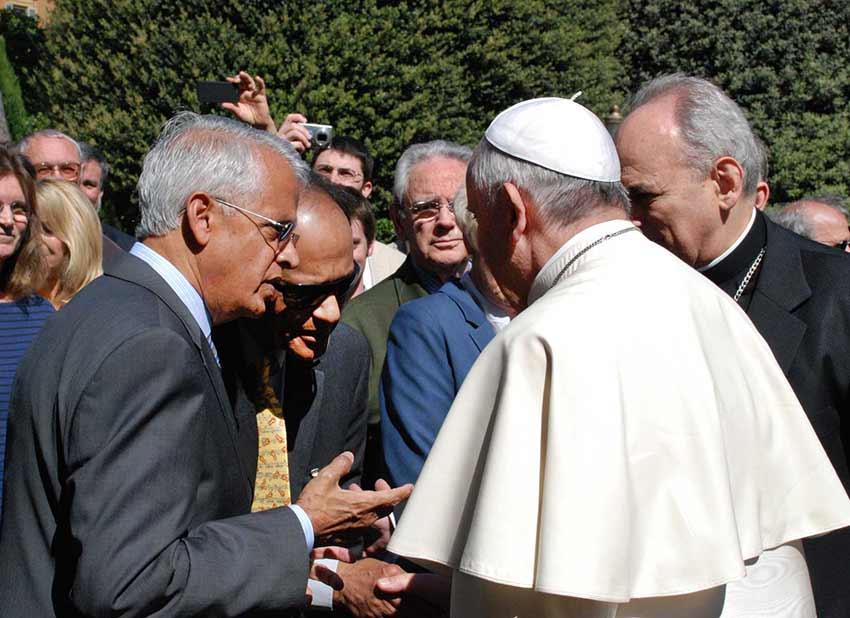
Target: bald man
(822,219)
(320,373)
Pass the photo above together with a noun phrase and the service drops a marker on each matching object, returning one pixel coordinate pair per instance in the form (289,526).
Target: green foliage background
(392,73)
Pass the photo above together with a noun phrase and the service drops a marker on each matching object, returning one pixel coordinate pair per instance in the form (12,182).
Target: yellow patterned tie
(271,488)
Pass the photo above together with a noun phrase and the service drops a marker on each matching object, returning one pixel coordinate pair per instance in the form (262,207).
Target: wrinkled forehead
(436,177)
(52,150)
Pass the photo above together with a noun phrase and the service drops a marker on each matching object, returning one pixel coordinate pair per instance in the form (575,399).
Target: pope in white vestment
(620,449)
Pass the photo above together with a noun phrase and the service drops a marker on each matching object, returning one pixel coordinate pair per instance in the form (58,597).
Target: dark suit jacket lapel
(134,270)
(781,288)
(407,284)
(482,332)
(308,425)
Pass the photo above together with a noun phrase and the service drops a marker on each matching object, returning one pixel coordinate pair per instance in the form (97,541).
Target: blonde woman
(71,240)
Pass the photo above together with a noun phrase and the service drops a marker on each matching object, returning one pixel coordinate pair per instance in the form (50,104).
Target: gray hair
(417,153)
(836,202)
(465,221)
(212,154)
(794,220)
(712,125)
(25,144)
(560,199)
(91,153)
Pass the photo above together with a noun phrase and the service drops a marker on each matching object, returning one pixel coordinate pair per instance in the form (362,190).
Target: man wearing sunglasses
(133,494)
(319,372)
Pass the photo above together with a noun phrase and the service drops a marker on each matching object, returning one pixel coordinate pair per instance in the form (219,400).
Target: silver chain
(588,248)
(749,275)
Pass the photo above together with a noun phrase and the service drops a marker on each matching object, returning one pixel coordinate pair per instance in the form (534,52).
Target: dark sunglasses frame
(302,296)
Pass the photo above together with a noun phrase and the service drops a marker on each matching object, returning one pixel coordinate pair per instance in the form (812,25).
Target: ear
(762,194)
(371,249)
(519,211)
(728,177)
(198,218)
(366,189)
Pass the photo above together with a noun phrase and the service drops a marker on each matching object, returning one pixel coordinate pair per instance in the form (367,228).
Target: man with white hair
(427,177)
(131,494)
(622,447)
(695,173)
(53,155)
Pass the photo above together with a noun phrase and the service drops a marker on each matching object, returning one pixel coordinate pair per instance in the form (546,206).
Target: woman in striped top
(22,313)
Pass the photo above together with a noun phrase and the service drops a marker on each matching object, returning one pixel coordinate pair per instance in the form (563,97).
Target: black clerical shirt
(732,269)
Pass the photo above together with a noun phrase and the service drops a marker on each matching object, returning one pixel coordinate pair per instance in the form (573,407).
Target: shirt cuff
(323,595)
(306,526)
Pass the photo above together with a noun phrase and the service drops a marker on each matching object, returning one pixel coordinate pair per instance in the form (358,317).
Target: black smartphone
(217,92)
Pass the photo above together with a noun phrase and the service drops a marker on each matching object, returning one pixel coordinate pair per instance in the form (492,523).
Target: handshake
(365,587)
(250,105)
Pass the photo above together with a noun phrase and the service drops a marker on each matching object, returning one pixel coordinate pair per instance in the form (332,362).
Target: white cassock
(621,449)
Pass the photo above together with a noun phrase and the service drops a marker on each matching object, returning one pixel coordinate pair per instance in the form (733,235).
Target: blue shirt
(20,322)
(195,304)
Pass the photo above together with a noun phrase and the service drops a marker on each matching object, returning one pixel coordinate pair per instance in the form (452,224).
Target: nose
(446,217)
(328,312)
(288,256)
(7,219)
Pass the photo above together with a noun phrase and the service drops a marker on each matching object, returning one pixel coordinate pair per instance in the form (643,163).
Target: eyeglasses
(18,209)
(283,228)
(69,170)
(309,296)
(842,245)
(425,210)
(343,172)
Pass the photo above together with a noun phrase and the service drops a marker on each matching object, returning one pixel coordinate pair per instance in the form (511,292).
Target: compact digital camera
(320,134)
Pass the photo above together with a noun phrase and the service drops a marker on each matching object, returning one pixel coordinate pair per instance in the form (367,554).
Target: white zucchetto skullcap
(558,134)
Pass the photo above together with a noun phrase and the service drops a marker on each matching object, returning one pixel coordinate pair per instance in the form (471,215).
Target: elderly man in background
(822,219)
(433,342)
(427,178)
(131,494)
(628,441)
(53,154)
(694,169)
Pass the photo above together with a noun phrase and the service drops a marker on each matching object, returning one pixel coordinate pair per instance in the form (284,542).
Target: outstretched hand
(333,510)
(381,530)
(253,106)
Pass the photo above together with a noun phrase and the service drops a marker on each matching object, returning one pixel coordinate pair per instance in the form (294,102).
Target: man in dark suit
(319,373)
(131,495)
(693,168)
(427,177)
(93,179)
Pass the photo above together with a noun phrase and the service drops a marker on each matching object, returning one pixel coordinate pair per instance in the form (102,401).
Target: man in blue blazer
(432,345)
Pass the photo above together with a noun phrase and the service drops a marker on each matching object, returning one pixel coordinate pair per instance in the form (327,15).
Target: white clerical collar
(734,245)
(547,275)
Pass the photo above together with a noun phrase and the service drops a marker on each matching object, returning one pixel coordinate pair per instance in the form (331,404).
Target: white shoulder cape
(629,435)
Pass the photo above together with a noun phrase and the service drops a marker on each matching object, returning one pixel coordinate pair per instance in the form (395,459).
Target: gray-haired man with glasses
(427,177)
(132,494)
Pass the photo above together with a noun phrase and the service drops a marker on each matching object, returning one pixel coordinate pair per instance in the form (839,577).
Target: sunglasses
(303,296)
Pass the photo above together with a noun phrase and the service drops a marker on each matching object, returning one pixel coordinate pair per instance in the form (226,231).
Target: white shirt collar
(734,246)
(177,282)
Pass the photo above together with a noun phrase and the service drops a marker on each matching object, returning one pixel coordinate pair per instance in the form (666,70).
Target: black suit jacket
(324,403)
(801,306)
(126,492)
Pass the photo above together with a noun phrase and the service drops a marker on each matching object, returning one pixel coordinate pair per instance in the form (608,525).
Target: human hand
(253,106)
(357,594)
(294,131)
(429,587)
(333,510)
(381,530)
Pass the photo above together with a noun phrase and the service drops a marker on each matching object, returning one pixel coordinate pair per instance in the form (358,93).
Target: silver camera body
(320,134)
